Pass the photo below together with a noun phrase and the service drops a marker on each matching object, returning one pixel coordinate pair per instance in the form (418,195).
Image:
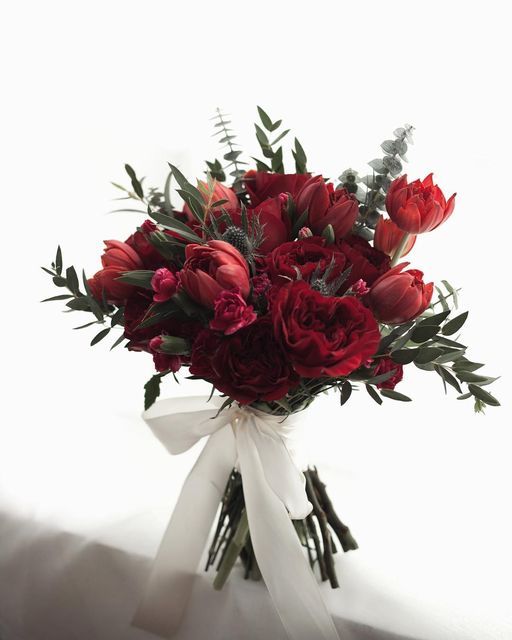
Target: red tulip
(212,268)
(219,192)
(399,296)
(105,283)
(325,206)
(388,236)
(119,254)
(418,207)
(261,185)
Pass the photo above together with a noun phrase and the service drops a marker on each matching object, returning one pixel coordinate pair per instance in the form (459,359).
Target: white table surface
(84,505)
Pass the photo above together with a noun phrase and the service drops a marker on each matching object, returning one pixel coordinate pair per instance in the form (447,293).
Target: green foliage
(152,389)
(232,156)
(141,278)
(268,143)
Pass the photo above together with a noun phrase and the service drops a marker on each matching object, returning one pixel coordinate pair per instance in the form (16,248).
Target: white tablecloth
(83,508)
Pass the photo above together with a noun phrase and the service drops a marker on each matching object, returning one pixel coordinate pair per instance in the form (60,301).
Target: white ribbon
(261,446)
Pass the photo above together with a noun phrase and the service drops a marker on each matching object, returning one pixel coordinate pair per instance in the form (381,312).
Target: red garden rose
(418,207)
(323,336)
(383,366)
(305,257)
(261,185)
(367,263)
(388,237)
(326,206)
(399,296)
(247,366)
(231,313)
(212,267)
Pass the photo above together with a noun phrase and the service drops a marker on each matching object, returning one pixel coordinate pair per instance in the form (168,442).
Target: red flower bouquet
(274,288)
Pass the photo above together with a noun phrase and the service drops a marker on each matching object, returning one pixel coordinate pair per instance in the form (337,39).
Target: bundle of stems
(320,533)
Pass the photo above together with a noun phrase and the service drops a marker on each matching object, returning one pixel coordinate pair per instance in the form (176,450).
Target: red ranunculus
(399,296)
(418,207)
(231,313)
(261,185)
(247,366)
(326,206)
(211,268)
(383,366)
(164,284)
(367,263)
(323,336)
(388,237)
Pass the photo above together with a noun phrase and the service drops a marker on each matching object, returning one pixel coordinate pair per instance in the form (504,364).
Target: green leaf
(437,318)
(141,278)
(463,364)
(265,120)
(382,377)
(174,345)
(404,356)
(280,136)
(483,395)
(424,333)
(328,234)
(59,281)
(79,304)
(469,376)
(394,395)
(99,336)
(173,224)
(454,325)
(58,261)
(87,324)
(300,158)
(447,377)
(72,280)
(277,161)
(167,193)
(65,296)
(453,291)
(137,187)
(373,393)
(345,392)
(152,390)
(117,342)
(450,356)
(427,354)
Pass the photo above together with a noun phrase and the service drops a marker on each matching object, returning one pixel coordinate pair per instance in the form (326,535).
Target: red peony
(418,207)
(383,366)
(231,313)
(212,267)
(326,206)
(388,236)
(399,296)
(261,185)
(165,284)
(323,336)
(247,366)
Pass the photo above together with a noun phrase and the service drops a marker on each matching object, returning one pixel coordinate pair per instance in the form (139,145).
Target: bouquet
(274,287)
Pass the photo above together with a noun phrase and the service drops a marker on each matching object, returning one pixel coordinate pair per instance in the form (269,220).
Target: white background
(90,86)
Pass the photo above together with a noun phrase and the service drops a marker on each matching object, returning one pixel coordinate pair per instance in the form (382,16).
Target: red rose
(367,263)
(308,256)
(418,207)
(247,366)
(231,313)
(261,185)
(164,284)
(326,206)
(212,267)
(399,296)
(323,336)
(383,366)
(388,236)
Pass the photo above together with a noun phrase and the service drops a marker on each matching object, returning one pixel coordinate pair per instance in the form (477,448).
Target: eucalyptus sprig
(231,157)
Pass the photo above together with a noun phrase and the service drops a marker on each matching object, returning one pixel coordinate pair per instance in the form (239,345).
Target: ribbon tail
(289,579)
(172,576)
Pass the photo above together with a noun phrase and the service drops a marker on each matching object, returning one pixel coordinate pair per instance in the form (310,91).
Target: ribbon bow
(262,447)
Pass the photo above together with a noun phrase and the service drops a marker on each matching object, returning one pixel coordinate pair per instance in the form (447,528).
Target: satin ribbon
(261,446)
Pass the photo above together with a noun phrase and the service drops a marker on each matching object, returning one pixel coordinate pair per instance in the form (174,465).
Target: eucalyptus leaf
(454,325)
(99,336)
(483,395)
(394,395)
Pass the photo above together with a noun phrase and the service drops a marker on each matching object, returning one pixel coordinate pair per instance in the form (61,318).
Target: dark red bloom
(326,206)
(163,361)
(231,313)
(323,336)
(247,366)
(140,243)
(367,263)
(383,366)
(261,185)
(399,296)
(418,207)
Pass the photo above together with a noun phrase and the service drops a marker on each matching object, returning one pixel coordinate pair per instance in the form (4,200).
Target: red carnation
(165,284)
(323,336)
(247,366)
(231,313)
(418,207)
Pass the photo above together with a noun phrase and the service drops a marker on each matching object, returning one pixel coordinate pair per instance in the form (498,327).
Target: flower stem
(232,552)
(400,249)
